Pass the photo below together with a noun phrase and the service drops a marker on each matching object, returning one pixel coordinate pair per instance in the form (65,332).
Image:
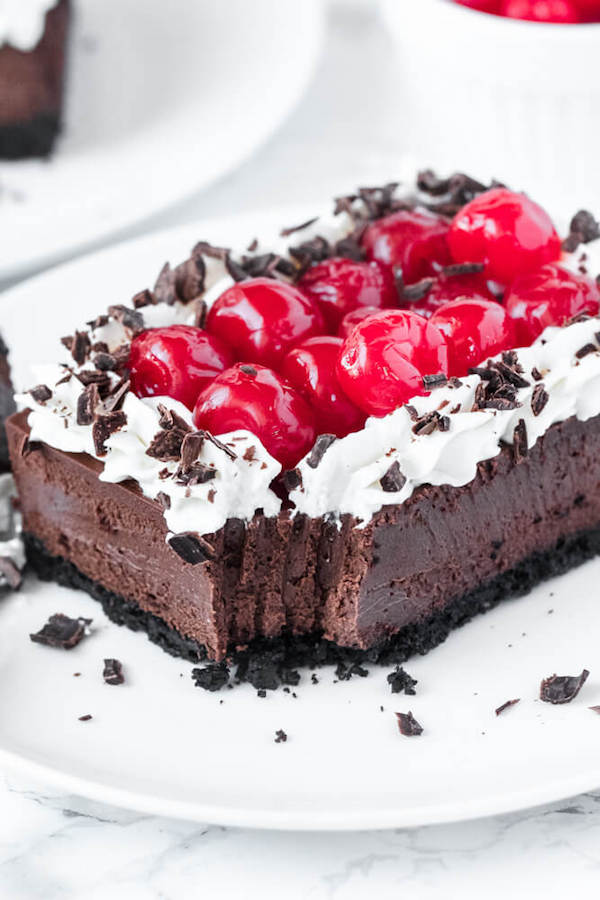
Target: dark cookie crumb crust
(265,663)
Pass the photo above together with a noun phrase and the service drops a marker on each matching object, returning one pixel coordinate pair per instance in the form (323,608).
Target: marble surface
(57,846)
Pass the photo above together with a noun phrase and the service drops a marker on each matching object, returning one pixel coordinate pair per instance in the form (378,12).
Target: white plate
(163,98)
(161,745)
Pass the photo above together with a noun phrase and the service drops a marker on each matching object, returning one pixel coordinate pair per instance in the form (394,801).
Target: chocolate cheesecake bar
(33,38)
(169,469)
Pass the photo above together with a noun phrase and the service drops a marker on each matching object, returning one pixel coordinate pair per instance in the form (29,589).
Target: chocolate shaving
(164,288)
(595,709)
(536,374)
(499,383)
(106,362)
(87,403)
(583,229)
(415,291)
(204,248)
(562,688)
(212,677)
(539,398)
(117,396)
(163,500)
(218,444)
(94,376)
(86,718)
(197,473)
(412,412)
(190,448)
(143,298)
(520,444)
(431,422)
(400,681)
(105,425)
(449,194)
(322,444)
(79,346)
(393,480)
(131,319)
(280,736)
(249,370)
(61,631)
(113,672)
(41,393)
(431,381)
(189,277)
(465,268)
(235,269)
(287,231)
(191,548)
(408,725)
(507,705)
(586,350)
(200,313)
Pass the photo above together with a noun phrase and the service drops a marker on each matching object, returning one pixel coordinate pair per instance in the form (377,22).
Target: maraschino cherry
(414,241)
(262,319)
(383,361)
(550,296)
(488,6)
(340,285)
(558,11)
(311,369)
(177,361)
(353,318)
(253,398)
(507,232)
(475,329)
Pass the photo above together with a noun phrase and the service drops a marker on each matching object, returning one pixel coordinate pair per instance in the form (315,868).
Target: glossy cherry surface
(311,369)
(558,11)
(475,329)
(256,399)
(507,232)
(353,318)
(550,296)
(413,240)
(340,285)
(385,357)
(177,361)
(489,6)
(262,319)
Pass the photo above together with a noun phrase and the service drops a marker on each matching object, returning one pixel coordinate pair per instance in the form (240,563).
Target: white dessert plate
(162,99)
(161,745)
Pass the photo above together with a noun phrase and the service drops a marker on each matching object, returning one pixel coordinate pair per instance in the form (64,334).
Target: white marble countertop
(57,846)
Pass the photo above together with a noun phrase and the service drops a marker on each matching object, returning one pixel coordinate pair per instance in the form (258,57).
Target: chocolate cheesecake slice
(167,470)
(33,39)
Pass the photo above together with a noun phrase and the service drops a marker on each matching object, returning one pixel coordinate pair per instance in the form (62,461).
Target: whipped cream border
(22,22)
(348,477)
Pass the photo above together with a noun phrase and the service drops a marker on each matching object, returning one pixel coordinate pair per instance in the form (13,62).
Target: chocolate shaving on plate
(507,705)
(61,631)
(562,688)
(280,736)
(113,672)
(321,445)
(408,725)
(191,548)
(401,682)
(85,718)
(393,480)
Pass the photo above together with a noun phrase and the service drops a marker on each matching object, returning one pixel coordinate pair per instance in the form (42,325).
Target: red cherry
(475,329)
(262,319)
(560,11)
(383,361)
(445,289)
(488,6)
(177,361)
(589,10)
(550,296)
(256,399)
(340,285)
(415,240)
(353,318)
(310,368)
(508,232)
